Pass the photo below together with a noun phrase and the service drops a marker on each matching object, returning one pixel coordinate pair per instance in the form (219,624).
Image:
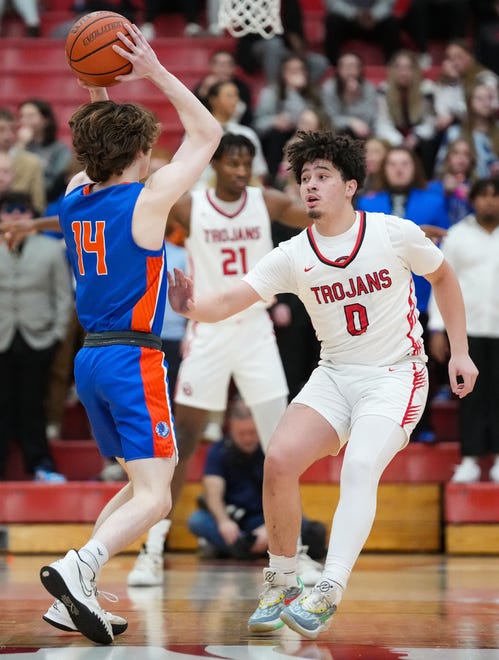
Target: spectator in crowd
(227,229)
(487,35)
(469,69)
(222,100)
(38,134)
(28,171)
(7,172)
(253,52)
(350,99)
(406,112)
(279,107)
(191,11)
(403,193)
(365,19)
(479,127)
(450,102)
(230,520)
(472,249)
(28,10)
(61,372)
(455,179)
(376,150)
(222,68)
(35,305)
(435,19)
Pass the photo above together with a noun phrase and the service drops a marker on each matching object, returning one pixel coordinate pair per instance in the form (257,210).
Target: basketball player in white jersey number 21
(352,271)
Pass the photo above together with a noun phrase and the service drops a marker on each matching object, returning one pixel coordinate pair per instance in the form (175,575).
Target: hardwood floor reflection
(422,607)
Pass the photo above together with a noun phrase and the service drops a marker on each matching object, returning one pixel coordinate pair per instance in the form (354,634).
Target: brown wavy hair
(108,136)
(416,100)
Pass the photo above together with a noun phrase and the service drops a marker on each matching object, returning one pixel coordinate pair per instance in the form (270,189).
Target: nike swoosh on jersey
(307,268)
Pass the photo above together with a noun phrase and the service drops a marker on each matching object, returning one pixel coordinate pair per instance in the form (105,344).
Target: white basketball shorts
(243,348)
(342,394)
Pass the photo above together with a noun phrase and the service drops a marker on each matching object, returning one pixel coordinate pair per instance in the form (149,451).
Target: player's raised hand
(180,292)
(139,53)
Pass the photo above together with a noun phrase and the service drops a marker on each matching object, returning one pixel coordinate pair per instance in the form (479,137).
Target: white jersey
(222,248)
(357,287)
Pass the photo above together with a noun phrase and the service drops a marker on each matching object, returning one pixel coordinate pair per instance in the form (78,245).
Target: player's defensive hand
(180,292)
(462,375)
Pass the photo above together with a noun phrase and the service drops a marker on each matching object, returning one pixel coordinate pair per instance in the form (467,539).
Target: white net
(240,17)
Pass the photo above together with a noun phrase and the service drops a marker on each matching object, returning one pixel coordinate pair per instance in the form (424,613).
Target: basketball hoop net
(240,17)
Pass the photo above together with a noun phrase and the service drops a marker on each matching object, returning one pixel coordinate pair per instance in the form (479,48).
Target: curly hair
(108,136)
(343,152)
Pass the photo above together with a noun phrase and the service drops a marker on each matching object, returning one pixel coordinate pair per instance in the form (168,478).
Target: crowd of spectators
(430,132)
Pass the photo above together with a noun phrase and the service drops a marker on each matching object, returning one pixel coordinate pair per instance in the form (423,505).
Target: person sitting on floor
(229,522)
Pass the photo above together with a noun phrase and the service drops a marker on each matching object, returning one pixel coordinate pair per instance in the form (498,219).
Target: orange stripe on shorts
(157,401)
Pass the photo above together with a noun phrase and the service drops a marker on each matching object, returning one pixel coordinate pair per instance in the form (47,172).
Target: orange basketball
(89,48)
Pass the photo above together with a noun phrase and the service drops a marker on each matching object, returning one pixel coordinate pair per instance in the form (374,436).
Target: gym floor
(419,607)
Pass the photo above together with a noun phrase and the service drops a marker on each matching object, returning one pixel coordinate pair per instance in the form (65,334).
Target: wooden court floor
(420,607)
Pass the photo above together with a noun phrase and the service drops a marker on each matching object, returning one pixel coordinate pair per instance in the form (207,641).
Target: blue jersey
(119,285)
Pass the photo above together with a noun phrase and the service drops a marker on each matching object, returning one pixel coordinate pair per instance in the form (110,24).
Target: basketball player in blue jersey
(114,228)
(352,271)
(228,230)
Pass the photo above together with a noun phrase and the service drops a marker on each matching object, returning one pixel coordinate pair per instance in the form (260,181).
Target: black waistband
(126,337)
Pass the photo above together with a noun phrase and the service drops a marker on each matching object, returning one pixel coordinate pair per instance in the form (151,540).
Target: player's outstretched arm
(203,132)
(210,309)
(462,371)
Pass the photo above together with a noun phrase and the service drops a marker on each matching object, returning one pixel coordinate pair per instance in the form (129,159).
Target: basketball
(89,48)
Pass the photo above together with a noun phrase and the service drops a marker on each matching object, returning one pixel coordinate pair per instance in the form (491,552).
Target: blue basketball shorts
(124,390)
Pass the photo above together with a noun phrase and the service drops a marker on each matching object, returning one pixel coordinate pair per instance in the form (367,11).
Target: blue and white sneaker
(49,477)
(273,599)
(312,613)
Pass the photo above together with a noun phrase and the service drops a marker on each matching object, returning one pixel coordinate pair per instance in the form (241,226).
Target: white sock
(285,566)
(337,572)
(95,554)
(331,589)
(156,536)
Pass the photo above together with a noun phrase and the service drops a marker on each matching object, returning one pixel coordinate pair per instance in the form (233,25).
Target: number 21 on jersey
(234,261)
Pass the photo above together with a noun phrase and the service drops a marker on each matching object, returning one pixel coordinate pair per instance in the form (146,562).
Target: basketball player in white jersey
(352,271)
(228,230)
